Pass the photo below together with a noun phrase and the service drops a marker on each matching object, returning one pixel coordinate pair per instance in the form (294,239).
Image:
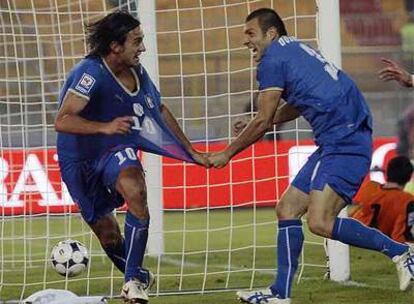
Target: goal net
(211,230)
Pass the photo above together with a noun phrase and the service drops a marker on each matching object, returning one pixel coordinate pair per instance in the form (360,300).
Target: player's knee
(137,203)
(280,211)
(285,211)
(136,196)
(316,228)
(319,226)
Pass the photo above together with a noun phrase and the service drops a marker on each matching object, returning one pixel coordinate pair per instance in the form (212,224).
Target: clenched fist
(120,125)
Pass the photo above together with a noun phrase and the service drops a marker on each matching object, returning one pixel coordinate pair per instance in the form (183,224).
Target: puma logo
(119,98)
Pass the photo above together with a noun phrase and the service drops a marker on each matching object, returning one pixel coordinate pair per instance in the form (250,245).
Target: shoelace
(146,274)
(409,264)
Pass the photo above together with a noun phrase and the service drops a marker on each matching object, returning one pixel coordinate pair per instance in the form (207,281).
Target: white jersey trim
(76,93)
(272,89)
(135,93)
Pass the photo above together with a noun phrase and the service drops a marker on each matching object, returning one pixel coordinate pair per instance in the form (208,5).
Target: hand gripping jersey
(325,96)
(108,99)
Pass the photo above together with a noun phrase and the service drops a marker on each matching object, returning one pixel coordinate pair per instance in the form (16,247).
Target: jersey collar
(134,73)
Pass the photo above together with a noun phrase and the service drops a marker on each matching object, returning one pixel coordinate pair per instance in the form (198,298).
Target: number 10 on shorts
(128,153)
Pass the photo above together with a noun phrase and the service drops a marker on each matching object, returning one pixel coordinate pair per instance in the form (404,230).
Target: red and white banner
(30,180)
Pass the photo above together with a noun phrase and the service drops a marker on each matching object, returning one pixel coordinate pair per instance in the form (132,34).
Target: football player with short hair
(342,125)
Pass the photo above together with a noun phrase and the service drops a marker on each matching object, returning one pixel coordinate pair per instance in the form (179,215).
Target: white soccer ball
(69,258)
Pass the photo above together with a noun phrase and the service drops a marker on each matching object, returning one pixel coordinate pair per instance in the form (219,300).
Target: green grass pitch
(26,243)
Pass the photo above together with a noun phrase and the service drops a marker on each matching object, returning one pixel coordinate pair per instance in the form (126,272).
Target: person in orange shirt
(386,206)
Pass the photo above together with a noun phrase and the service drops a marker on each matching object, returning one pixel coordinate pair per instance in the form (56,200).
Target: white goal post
(330,47)
(210,230)
(152,163)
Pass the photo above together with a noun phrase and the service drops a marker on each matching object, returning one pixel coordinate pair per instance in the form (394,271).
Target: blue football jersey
(108,99)
(324,95)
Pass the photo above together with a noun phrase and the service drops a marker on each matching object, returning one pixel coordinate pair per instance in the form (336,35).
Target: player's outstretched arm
(172,123)
(284,113)
(268,102)
(68,119)
(393,71)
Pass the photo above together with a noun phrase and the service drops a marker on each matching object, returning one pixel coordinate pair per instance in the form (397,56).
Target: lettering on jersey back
(285,40)
(329,67)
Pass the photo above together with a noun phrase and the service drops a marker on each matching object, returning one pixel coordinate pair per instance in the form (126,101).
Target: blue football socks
(136,236)
(289,246)
(352,232)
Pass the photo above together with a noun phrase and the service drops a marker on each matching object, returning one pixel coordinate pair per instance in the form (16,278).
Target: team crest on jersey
(149,101)
(138,109)
(85,84)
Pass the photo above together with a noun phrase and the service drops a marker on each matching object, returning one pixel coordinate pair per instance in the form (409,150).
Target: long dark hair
(113,27)
(268,18)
